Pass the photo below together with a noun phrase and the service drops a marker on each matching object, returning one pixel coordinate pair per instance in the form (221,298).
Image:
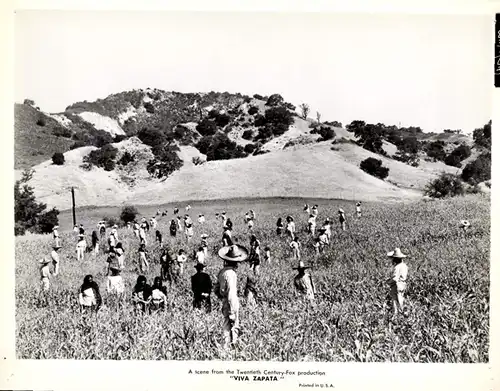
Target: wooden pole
(73,200)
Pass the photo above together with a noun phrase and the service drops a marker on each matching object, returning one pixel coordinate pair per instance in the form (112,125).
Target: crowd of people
(148,298)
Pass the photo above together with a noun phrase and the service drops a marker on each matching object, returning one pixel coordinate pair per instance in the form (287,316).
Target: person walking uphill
(397,282)
(226,290)
(201,285)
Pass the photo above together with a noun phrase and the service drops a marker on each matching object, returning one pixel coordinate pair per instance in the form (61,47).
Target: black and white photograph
(258,186)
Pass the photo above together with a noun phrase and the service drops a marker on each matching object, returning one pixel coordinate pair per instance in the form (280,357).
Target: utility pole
(73,199)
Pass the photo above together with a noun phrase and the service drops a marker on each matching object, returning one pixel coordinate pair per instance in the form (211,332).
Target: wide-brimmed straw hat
(341,210)
(204,236)
(81,235)
(199,266)
(301,266)
(56,247)
(55,227)
(43,261)
(396,254)
(464,223)
(234,253)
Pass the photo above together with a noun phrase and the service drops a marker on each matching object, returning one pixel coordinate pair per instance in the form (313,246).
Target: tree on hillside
(128,214)
(355,126)
(275,100)
(166,161)
(446,185)
(29,102)
(103,157)
(409,144)
(151,136)
(482,136)
(207,127)
(369,136)
(478,170)
(58,159)
(29,214)
(374,167)
(304,110)
(436,151)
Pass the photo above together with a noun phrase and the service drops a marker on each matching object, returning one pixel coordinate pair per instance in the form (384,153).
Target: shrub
(409,145)
(166,161)
(325,132)
(265,132)
(151,136)
(103,157)
(436,151)
(41,122)
(102,138)
(249,148)
(222,120)
(29,102)
(275,100)
(452,160)
(46,221)
(111,220)
(220,147)
(58,159)
(259,97)
(198,161)
(119,138)
(446,185)
(247,134)
(61,131)
(149,107)
(86,166)
(336,124)
(128,214)
(253,110)
(278,116)
(126,158)
(206,127)
(478,170)
(260,120)
(411,159)
(462,152)
(482,136)
(374,167)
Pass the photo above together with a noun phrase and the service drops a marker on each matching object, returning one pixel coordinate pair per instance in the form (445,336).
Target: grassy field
(448,290)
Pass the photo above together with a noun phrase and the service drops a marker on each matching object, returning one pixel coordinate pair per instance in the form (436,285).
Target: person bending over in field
(229,224)
(226,289)
(279,226)
(55,235)
(252,214)
(303,282)
(290,226)
(342,219)
(201,285)
(43,296)
(254,258)
(141,294)
(295,246)
(323,240)
(89,297)
(251,293)
(115,285)
(201,219)
(158,300)
(358,209)
(227,237)
(55,259)
(173,228)
(397,282)
(80,247)
(143,262)
(159,238)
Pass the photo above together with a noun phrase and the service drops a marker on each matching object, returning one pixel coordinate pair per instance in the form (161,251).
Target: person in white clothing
(200,256)
(328,229)
(311,224)
(226,289)
(55,259)
(358,209)
(295,246)
(114,232)
(136,229)
(181,260)
(323,240)
(397,282)
(55,234)
(142,236)
(290,226)
(115,285)
(80,247)
(314,211)
(153,223)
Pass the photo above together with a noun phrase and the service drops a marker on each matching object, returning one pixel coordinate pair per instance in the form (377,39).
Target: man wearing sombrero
(44,280)
(397,282)
(55,234)
(227,291)
(303,282)
(342,219)
(201,285)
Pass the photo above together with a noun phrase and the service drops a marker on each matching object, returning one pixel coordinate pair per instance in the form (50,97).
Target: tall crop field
(447,295)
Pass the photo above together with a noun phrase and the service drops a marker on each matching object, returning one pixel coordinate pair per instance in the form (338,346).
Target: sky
(432,71)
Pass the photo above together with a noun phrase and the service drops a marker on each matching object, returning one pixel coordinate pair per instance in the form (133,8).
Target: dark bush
(253,110)
(111,221)
(61,131)
(260,120)
(58,159)
(206,127)
(102,138)
(247,134)
(41,122)
(249,148)
(46,221)
(119,138)
(126,159)
(482,136)
(259,97)
(220,147)
(29,102)
(446,185)
(275,100)
(325,132)
(374,167)
(462,152)
(409,144)
(103,157)
(151,136)
(222,120)
(264,133)
(149,107)
(478,170)
(436,151)
(278,115)
(166,161)
(452,160)
(128,214)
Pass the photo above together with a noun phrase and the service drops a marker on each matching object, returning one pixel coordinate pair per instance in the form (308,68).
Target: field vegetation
(447,296)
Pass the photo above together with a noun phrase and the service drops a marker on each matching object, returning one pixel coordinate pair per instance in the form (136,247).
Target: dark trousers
(203,303)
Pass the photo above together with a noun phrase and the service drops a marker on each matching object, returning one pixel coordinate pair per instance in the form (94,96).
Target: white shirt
(291,226)
(226,288)
(55,256)
(400,272)
(200,257)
